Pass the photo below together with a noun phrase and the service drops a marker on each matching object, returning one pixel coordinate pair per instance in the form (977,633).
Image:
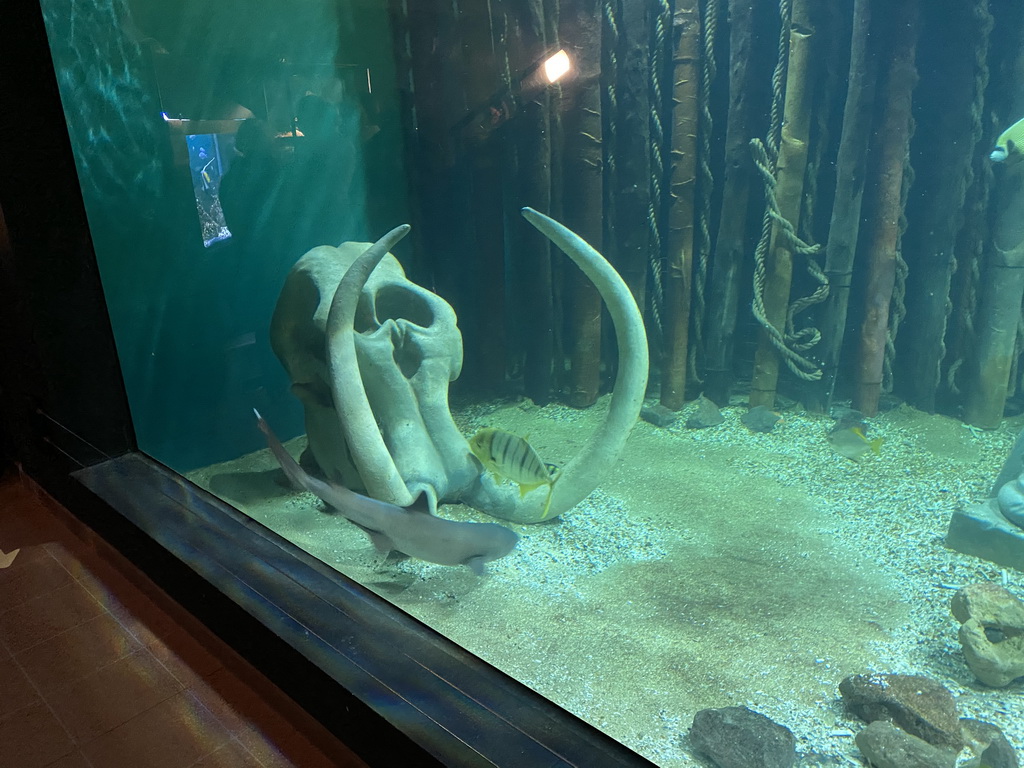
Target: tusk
(585,471)
(359,426)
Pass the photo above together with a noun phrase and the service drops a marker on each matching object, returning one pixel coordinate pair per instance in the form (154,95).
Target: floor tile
(74,654)
(266,725)
(43,617)
(16,691)
(32,737)
(33,573)
(101,654)
(113,695)
(284,749)
(24,521)
(71,760)
(186,659)
(231,755)
(175,733)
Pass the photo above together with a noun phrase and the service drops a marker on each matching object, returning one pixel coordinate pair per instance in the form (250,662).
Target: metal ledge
(457,708)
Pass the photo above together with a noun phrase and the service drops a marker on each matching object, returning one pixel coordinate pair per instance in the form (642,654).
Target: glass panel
(774,522)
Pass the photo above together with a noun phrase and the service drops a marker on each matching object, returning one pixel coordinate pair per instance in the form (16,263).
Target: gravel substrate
(892,509)
(715,567)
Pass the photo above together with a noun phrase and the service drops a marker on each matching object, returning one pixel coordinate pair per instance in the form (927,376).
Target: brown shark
(409,530)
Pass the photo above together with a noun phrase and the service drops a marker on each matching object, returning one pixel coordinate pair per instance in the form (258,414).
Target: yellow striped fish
(510,457)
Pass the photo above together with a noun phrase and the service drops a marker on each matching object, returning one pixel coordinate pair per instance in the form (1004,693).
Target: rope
(662,21)
(792,342)
(779,81)
(702,244)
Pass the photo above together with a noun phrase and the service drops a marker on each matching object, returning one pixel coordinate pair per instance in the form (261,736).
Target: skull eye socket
(397,302)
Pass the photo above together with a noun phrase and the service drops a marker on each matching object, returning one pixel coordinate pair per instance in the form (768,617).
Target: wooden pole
(846,208)
(732,241)
(679,274)
(430,151)
(582,207)
(893,137)
(934,222)
(533,261)
(633,150)
(789,175)
(483,320)
(1003,285)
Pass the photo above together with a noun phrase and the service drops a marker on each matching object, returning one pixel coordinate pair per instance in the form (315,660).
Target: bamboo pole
(790,170)
(583,205)
(732,242)
(679,274)
(894,136)
(949,144)
(844,226)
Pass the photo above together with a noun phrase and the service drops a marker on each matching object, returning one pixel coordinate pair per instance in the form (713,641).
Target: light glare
(556,66)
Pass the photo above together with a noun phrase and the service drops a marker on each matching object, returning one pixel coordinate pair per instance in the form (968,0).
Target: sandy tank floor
(713,568)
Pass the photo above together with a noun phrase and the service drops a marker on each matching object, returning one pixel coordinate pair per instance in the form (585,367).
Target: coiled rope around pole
(790,344)
(787,343)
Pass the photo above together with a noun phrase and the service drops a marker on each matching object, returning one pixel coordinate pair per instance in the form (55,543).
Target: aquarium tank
(660,353)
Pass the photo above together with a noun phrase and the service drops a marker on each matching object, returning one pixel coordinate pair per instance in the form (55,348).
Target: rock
(760,419)
(706,415)
(920,706)
(658,415)
(988,745)
(995,658)
(990,604)
(991,632)
(737,737)
(887,746)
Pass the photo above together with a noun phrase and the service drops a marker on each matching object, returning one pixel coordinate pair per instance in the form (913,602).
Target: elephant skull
(371,354)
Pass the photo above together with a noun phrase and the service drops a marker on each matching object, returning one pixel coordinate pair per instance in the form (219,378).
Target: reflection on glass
(209,157)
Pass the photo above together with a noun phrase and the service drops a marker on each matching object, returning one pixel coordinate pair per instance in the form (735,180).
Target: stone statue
(994,528)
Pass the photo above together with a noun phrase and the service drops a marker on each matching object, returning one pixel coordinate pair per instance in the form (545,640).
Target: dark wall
(61,397)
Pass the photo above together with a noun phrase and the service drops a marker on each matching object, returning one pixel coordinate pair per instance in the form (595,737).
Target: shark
(411,530)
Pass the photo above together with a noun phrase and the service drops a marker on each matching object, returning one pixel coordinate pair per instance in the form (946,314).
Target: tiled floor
(100,668)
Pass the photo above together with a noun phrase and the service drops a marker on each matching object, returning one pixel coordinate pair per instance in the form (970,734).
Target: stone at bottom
(737,737)
(888,746)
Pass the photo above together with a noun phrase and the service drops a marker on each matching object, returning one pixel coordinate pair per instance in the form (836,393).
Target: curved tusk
(585,471)
(358,424)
